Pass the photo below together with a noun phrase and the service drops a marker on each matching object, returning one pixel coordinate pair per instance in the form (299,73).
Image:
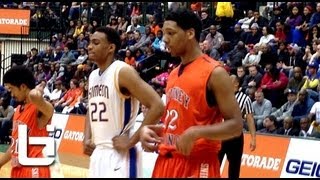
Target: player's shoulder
(119,63)
(94,73)
(206,61)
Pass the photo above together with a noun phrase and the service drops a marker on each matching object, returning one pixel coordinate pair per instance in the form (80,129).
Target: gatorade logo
(74,135)
(260,162)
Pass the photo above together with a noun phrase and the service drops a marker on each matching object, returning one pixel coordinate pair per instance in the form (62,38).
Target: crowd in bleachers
(274,52)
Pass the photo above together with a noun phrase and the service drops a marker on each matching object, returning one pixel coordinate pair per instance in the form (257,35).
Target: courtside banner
(303,159)
(14,21)
(73,135)
(266,161)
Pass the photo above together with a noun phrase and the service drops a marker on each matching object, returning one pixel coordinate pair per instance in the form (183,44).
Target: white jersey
(111,112)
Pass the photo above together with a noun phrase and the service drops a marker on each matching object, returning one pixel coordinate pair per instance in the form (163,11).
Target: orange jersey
(28,116)
(187,105)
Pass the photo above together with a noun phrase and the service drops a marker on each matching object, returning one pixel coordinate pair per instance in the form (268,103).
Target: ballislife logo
(24,141)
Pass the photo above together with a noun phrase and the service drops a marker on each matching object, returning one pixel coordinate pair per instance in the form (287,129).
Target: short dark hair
(19,75)
(112,36)
(273,119)
(186,19)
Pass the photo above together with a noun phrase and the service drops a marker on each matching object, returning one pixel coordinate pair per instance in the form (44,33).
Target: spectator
(236,55)
(273,84)
(286,109)
(210,51)
(258,19)
(304,126)
(245,22)
(262,108)
(283,56)
(122,24)
(139,56)
(67,57)
(288,129)
(158,45)
(78,29)
(315,18)
(297,81)
(295,19)
(134,25)
(28,59)
(47,56)
(253,80)
(113,23)
(302,30)
(313,34)
(161,79)
(277,17)
(267,57)
(71,29)
(253,57)
(68,98)
(81,58)
(140,40)
(241,74)
(82,43)
(270,125)
(267,36)
(130,59)
(312,81)
(207,21)
(237,35)
(94,26)
(214,38)
(280,34)
(55,95)
(57,54)
(6,115)
(253,37)
(303,106)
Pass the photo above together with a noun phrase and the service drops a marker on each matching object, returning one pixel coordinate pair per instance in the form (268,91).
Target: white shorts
(108,163)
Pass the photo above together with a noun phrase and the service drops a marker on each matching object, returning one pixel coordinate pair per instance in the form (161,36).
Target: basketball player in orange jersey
(35,112)
(199,95)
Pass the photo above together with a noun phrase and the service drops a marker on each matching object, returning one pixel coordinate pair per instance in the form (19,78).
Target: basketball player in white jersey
(115,90)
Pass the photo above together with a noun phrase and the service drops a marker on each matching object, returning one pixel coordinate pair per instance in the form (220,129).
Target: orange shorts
(30,172)
(178,166)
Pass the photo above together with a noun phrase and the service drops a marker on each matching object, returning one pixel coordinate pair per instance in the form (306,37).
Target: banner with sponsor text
(14,21)
(274,156)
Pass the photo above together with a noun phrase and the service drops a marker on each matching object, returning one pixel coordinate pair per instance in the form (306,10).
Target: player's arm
(219,84)
(88,145)
(44,107)
(252,129)
(138,88)
(5,157)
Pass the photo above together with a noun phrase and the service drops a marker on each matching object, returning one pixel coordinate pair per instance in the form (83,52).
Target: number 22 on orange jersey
(171,117)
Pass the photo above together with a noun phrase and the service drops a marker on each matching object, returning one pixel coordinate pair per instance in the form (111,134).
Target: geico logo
(73,135)
(260,162)
(56,134)
(305,168)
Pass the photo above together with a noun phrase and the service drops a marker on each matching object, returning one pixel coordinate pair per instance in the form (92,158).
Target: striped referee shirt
(244,102)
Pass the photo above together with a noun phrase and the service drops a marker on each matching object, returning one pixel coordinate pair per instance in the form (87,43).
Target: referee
(233,148)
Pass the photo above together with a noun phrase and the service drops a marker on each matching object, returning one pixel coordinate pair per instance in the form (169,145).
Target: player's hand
(150,137)
(121,143)
(36,93)
(252,144)
(185,142)
(89,147)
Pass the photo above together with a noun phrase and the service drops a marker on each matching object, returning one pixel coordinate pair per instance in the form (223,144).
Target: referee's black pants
(233,148)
